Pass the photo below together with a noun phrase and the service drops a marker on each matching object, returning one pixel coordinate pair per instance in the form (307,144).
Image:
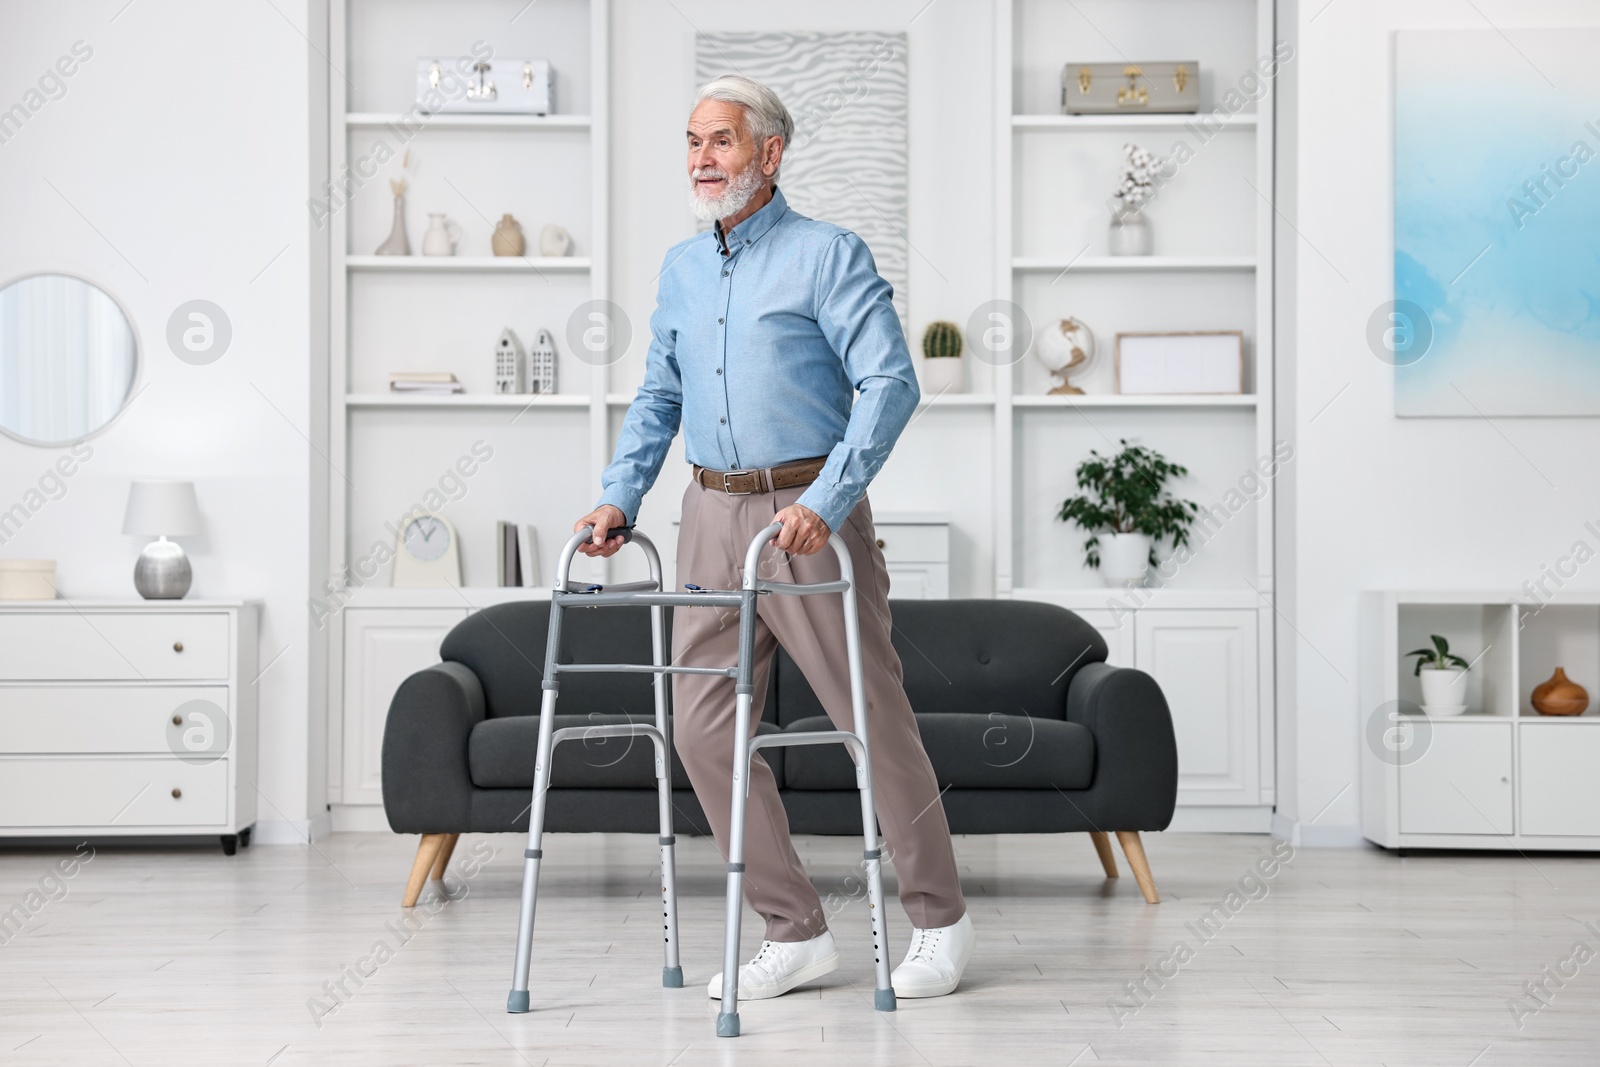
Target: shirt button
(724,274)
(719,322)
(719,370)
(723,421)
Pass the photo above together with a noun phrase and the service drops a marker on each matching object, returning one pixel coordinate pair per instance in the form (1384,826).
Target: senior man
(765,329)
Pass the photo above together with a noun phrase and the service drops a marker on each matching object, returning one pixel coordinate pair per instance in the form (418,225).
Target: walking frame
(569,594)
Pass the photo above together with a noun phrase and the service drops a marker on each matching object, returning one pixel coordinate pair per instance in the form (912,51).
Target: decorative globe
(1065,347)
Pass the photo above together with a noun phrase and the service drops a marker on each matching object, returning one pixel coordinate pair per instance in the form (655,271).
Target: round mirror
(68,359)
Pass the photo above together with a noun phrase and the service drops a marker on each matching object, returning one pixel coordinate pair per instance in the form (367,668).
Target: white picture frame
(1188,363)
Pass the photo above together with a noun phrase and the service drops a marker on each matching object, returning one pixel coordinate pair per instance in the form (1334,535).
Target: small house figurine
(542,364)
(509,367)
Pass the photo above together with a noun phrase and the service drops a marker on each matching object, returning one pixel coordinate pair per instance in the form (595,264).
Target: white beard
(741,188)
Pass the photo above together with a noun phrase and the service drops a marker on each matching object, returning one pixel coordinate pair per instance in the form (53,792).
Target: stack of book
(406,381)
(516,554)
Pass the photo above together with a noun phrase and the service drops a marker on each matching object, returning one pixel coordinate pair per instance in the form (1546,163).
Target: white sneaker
(780,966)
(935,961)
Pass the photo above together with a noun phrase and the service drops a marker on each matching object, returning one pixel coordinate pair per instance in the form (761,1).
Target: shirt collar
(754,227)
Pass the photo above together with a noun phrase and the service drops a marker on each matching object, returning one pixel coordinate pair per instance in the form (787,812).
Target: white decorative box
(462,86)
(27,579)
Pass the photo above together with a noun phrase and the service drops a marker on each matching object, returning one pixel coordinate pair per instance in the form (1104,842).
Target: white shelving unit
(426,313)
(1499,776)
(1207,635)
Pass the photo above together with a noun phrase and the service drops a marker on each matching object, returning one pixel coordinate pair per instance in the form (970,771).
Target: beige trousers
(716,529)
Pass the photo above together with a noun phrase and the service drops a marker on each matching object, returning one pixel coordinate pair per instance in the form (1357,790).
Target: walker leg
(883,995)
(728,1016)
(517,1001)
(671,969)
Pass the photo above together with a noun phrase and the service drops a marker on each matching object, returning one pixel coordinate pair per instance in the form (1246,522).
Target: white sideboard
(1202,648)
(1499,776)
(916,551)
(128,717)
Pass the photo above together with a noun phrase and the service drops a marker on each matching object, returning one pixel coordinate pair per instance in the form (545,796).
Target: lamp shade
(162,509)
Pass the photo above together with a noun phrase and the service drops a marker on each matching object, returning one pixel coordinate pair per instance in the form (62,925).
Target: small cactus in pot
(941,359)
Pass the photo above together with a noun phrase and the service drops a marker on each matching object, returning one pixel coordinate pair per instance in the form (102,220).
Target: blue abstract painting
(1497,222)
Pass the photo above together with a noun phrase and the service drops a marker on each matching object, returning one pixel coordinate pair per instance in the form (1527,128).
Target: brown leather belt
(764,480)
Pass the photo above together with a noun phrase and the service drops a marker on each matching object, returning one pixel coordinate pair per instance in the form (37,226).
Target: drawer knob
(177,793)
(880,542)
(177,646)
(177,720)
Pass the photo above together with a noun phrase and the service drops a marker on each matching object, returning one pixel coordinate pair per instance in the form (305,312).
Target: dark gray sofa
(1025,723)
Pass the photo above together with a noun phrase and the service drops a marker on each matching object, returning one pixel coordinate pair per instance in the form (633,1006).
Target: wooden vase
(1560,695)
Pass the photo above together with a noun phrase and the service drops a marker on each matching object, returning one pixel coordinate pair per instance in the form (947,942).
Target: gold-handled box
(1130,88)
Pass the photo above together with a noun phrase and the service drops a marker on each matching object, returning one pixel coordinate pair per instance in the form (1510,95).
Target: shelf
(1575,719)
(363,120)
(1091,597)
(1117,400)
(466,400)
(479,264)
(941,400)
(1213,121)
(1135,264)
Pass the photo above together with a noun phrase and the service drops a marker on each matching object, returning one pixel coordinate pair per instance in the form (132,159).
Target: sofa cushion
(968,751)
(1007,657)
(500,755)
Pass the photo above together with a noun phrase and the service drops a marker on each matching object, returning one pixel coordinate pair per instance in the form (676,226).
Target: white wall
(1380,502)
(174,167)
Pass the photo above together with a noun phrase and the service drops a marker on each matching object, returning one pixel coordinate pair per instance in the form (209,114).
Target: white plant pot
(1444,690)
(1130,235)
(942,375)
(1124,558)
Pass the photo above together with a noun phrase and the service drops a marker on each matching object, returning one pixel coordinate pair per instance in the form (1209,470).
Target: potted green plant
(941,359)
(1126,510)
(1444,678)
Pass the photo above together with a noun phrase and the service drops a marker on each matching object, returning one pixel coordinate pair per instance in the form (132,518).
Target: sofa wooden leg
(445,851)
(1133,848)
(427,851)
(1102,848)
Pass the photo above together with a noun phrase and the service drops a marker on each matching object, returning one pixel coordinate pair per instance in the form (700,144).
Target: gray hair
(765,114)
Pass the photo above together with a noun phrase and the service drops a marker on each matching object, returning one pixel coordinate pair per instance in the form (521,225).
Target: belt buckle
(729,474)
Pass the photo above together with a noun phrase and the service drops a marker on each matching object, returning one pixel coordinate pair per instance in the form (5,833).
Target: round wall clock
(426,553)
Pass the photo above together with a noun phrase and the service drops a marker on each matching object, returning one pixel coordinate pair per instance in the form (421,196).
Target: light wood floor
(180,956)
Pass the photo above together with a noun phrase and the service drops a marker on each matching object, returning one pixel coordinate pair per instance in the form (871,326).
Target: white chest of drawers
(128,718)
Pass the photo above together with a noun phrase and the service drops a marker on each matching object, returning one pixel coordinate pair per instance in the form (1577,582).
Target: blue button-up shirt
(759,352)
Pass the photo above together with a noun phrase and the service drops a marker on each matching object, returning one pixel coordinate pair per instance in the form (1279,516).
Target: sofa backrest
(504,646)
(1011,657)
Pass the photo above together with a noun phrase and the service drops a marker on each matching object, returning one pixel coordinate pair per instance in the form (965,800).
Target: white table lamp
(162,510)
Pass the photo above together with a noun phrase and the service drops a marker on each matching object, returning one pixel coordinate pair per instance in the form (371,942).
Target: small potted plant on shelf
(941,359)
(1444,678)
(1126,510)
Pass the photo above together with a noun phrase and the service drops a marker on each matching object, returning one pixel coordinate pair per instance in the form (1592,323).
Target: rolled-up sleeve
(855,311)
(652,420)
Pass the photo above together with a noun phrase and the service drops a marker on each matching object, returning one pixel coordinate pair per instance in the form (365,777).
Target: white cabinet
(128,717)
(1205,662)
(1462,783)
(382,648)
(916,551)
(1500,775)
(1558,789)
(1203,649)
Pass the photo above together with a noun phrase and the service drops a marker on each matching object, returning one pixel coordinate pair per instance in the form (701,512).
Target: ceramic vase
(441,238)
(1124,558)
(397,244)
(1130,234)
(554,241)
(507,239)
(1560,695)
